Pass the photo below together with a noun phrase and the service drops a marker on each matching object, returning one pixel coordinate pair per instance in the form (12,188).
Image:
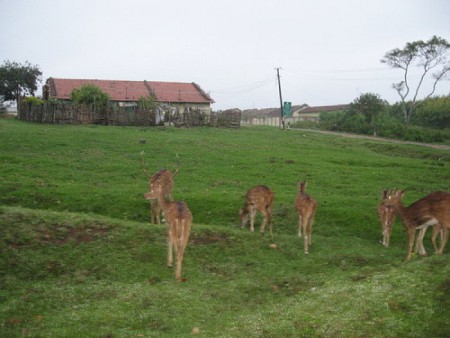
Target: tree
(427,56)
(370,106)
(2,105)
(147,103)
(434,113)
(17,80)
(90,94)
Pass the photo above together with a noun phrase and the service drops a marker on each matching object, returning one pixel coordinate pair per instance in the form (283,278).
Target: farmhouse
(170,96)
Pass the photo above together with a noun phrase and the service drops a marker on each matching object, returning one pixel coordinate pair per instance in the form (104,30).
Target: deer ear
(384,194)
(299,184)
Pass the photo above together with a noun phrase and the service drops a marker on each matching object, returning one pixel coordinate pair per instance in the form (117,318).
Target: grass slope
(78,257)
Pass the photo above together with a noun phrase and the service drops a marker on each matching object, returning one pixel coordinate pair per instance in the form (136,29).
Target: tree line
(371,115)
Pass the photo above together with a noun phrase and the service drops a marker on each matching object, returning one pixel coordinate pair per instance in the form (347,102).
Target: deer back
(177,211)
(260,196)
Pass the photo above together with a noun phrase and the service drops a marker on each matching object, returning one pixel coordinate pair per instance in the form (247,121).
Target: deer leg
(419,247)
(156,207)
(388,235)
(444,239)
(264,222)
(306,234)
(180,253)
(183,237)
(252,218)
(299,225)
(153,204)
(436,231)
(170,247)
(310,224)
(411,235)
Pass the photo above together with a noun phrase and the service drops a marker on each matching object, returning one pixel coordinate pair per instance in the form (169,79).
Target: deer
(258,198)
(163,179)
(179,224)
(306,209)
(387,218)
(431,210)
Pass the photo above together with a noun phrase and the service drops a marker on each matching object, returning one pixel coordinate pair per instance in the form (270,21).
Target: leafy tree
(2,105)
(370,106)
(18,80)
(426,55)
(147,102)
(434,113)
(90,94)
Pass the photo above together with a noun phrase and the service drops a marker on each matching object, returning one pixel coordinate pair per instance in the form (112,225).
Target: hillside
(79,258)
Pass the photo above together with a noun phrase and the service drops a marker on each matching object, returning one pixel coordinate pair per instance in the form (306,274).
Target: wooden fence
(67,113)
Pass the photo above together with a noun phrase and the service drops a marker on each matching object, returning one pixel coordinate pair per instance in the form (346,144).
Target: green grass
(79,258)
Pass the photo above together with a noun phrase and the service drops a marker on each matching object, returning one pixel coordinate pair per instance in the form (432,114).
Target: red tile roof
(176,92)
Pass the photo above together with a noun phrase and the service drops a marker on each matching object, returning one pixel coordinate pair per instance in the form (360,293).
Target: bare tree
(428,56)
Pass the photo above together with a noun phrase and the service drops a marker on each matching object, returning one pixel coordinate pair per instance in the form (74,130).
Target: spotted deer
(179,223)
(161,181)
(387,218)
(431,210)
(306,209)
(259,198)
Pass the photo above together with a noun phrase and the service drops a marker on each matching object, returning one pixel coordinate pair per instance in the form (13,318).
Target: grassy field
(78,256)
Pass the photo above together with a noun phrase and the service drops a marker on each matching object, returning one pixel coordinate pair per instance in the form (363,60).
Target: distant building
(308,113)
(272,116)
(169,95)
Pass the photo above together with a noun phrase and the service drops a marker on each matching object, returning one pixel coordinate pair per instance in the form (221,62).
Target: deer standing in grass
(259,198)
(306,209)
(164,180)
(431,210)
(179,223)
(387,218)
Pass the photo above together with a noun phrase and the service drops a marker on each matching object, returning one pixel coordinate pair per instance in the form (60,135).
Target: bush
(34,101)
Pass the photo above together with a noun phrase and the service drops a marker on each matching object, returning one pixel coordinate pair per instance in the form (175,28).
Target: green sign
(287,109)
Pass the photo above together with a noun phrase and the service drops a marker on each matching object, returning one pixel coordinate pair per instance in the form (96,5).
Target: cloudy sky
(328,51)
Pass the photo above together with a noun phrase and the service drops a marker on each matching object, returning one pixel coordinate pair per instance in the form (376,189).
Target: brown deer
(428,211)
(179,223)
(387,218)
(259,198)
(160,181)
(306,209)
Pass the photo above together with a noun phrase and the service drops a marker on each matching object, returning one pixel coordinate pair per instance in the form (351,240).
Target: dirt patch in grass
(60,234)
(207,238)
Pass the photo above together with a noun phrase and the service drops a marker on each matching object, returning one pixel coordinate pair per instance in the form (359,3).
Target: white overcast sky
(329,51)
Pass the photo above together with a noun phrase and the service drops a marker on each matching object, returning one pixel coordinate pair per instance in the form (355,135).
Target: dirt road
(382,139)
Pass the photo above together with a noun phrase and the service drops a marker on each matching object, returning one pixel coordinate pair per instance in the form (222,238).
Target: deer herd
(432,210)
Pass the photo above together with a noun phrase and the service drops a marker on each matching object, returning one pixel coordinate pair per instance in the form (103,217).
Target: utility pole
(281,99)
